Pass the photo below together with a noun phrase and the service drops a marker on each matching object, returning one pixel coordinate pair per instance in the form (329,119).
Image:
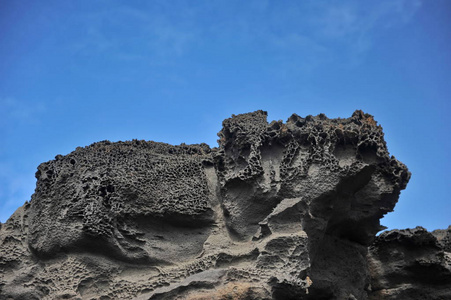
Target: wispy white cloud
(343,31)
(301,34)
(14,111)
(131,33)
(354,22)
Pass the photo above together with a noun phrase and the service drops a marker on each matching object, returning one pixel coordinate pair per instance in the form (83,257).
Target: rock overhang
(287,210)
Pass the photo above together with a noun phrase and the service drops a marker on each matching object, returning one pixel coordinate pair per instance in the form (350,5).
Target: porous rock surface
(277,211)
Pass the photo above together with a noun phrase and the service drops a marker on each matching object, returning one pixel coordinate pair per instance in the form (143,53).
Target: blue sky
(76,72)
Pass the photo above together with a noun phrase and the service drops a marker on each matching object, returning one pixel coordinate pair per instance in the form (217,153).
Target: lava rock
(277,211)
(410,264)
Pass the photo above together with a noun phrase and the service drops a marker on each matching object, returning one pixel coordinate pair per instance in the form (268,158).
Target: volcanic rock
(277,211)
(411,264)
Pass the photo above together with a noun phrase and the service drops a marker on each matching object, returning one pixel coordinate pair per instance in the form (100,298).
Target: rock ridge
(277,211)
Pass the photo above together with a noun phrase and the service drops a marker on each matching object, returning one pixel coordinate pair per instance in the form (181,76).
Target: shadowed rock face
(411,264)
(277,211)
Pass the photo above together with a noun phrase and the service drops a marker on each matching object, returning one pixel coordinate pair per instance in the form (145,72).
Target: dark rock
(443,238)
(277,211)
(134,201)
(410,264)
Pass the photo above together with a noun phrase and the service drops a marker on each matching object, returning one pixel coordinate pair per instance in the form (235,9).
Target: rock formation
(411,264)
(277,211)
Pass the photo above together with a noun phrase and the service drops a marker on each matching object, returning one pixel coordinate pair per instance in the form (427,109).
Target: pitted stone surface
(277,211)
(106,197)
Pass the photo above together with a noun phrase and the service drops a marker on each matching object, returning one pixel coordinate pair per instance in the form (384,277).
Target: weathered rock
(411,264)
(443,238)
(140,202)
(277,211)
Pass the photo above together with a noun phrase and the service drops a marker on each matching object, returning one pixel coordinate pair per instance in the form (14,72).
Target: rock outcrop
(277,211)
(411,264)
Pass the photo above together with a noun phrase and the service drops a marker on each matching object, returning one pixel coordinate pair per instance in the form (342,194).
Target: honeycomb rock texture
(277,211)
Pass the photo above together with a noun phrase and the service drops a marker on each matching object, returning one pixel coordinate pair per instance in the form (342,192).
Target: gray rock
(410,264)
(277,211)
